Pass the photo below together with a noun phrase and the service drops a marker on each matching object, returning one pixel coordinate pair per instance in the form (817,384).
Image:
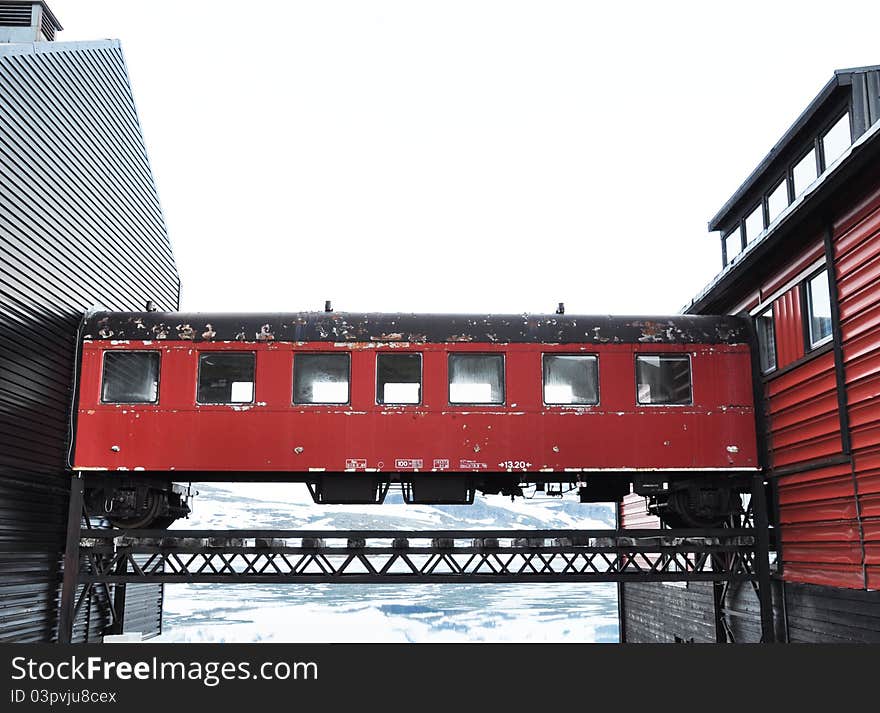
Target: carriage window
(321,378)
(766,340)
(398,378)
(130,378)
(663,379)
(226,378)
(819,306)
(476,378)
(571,379)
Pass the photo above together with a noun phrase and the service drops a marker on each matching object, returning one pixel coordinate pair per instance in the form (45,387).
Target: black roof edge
(865,150)
(838,80)
(858,70)
(341,327)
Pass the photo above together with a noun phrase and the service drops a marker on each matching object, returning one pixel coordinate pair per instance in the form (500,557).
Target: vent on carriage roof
(27,22)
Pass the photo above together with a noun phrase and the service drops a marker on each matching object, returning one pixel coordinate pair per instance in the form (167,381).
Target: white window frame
(809,309)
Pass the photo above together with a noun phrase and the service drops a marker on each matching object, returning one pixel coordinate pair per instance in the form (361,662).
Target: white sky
(461,156)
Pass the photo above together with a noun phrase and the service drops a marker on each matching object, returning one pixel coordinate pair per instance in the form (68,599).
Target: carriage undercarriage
(678,500)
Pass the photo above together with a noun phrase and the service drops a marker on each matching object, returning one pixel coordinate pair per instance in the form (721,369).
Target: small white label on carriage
(355,462)
(401,394)
(330,392)
(470,393)
(472,465)
(242,392)
(407,463)
(441,464)
(558,394)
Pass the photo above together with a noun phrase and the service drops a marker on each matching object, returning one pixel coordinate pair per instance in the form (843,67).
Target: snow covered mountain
(288,505)
(395,612)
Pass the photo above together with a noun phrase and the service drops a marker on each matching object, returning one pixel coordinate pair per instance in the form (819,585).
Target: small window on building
(836,140)
(130,377)
(398,378)
(571,379)
(755,223)
(476,378)
(226,378)
(321,378)
(777,200)
(663,379)
(804,173)
(733,244)
(766,340)
(819,307)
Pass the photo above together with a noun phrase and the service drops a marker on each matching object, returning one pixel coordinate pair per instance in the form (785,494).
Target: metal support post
(118,602)
(718,592)
(762,557)
(70,572)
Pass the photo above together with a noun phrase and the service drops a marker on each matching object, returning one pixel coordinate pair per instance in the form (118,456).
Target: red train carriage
(445,405)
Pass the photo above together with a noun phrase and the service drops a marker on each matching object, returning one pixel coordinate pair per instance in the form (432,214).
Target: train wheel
(700,507)
(162,523)
(147,518)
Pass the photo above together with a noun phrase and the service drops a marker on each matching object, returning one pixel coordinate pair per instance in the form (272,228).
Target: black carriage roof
(418,328)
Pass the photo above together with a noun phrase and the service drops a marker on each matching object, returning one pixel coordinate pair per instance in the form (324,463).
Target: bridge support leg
(719,592)
(70,579)
(118,603)
(762,557)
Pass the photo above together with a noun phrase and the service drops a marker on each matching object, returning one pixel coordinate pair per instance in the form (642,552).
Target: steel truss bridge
(442,556)
(103,557)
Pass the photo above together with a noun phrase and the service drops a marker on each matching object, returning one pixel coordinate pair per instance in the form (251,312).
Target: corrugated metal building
(80,225)
(800,248)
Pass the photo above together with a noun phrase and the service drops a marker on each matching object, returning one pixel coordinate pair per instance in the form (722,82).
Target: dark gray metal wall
(142,601)
(80,225)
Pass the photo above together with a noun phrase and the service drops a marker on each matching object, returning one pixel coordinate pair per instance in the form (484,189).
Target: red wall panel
(825,574)
(789,327)
(856,242)
(634,514)
(804,422)
(821,537)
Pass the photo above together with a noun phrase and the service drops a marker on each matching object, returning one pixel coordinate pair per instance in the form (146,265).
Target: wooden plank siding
(633,513)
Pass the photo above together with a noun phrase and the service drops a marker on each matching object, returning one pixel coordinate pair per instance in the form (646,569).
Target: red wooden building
(799,244)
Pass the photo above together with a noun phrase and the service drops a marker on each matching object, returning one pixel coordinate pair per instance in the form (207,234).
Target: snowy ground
(369,613)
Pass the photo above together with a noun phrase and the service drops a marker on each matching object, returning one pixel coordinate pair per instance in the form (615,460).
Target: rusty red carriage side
(440,450)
